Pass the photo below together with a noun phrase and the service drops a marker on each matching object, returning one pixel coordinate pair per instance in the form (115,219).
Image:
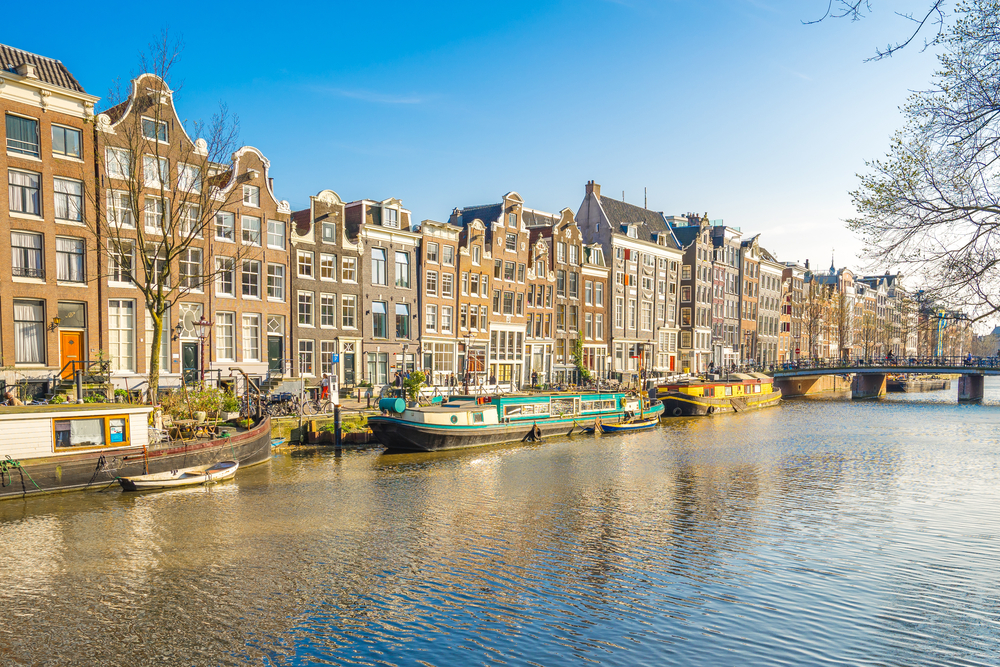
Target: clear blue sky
(733,107)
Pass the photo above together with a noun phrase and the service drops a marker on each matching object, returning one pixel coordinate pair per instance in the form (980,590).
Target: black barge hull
(98,469)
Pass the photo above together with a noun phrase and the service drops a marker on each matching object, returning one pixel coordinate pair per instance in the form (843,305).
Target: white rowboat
(182,477)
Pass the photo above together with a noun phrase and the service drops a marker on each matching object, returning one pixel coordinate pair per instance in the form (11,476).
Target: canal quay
(825,531)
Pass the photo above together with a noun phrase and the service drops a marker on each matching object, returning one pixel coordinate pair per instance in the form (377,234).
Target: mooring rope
(9,464)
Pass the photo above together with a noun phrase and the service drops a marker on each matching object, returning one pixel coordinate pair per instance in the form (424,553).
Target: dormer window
(390,218)
(154,129)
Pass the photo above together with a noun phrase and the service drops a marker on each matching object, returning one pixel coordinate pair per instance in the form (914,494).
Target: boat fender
(711,410)
(622,402)
(677,412)
(537,432)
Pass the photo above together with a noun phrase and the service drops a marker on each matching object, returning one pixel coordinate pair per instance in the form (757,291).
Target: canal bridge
(869,375)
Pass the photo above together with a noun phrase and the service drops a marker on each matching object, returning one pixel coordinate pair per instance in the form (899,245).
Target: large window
(121,326)
(446,318)
(23,192)
(328,310)
(251,278)
(69,260)
(225,226)
(306,358)
(225,340)
(251,337)
(120,209)
(119,163)
(511,242)
(349,269)
(29,331)
(190,221)
(188,178)
(327,267)
(120,261)
(574,280)
(153,218)
(402,320)
(68,199)
(22,135)
(154,129)
(155,171)
(251,230)
(306,309)
(379,320)
(349,310)
(447,285)
(402,269)
(26,255)
(378,267)
(251,195)
(190,268)
(276,282)
(276,234)
(432,283)
(448,255)
(305,263)
(225,280)
(431,318)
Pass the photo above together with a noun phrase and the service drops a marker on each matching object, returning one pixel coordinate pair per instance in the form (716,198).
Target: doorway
(275,355)
(70,349)
(189,362)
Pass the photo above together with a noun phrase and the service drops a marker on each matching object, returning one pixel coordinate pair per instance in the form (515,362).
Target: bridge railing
(902,363)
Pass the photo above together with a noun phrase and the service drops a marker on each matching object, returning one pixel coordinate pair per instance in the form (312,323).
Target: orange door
(71,349)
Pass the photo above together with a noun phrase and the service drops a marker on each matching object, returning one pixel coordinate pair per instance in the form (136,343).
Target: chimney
(26,70)
(807,263)
(593,187)
(270,184)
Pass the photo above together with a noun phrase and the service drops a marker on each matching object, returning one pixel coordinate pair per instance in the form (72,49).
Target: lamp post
(747,352)
(468,358)
(203,327)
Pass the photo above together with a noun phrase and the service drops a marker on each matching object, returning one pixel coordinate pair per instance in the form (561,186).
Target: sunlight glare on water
(825,531)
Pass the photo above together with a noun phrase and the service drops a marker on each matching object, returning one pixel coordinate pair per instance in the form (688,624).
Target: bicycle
(317,406)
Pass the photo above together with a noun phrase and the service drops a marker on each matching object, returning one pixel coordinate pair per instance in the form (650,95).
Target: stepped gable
(48,70)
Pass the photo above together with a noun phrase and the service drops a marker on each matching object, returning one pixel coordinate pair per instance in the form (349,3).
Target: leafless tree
(931,20)
(158,191)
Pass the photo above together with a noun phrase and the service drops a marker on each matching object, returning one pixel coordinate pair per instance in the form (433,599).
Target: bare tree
(932,205)
(932,19)
(159,192)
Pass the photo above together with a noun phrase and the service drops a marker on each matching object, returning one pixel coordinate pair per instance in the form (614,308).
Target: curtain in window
(28,250)
(68,199)
(29,332)
(69,259)
(23,191)
(22,135)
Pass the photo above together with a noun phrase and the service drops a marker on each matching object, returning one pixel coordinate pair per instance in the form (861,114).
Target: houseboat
(469,421)
(915,383)
(50,448)
(739,393)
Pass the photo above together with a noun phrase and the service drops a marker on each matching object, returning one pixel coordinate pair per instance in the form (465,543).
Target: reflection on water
(822,531)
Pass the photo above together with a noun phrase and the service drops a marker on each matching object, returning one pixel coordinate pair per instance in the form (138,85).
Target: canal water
(822,532)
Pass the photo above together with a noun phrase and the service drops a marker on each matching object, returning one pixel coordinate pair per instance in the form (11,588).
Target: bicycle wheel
(309,407)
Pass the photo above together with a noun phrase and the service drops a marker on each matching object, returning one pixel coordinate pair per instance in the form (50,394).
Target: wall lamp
(54,324)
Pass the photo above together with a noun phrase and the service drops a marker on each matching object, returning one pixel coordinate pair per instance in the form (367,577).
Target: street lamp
(468,358)
(202,326)
(747,352)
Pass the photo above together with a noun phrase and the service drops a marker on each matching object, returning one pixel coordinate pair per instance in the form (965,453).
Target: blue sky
(733,107)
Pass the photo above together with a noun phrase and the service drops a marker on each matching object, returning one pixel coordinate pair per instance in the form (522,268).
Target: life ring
(677,412)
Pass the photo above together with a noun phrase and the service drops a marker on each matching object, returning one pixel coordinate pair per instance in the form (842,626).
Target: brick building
(475,268)
(749,295)
(444,301)
(696,287)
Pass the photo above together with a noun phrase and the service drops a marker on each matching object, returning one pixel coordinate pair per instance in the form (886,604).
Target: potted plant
(412,385)
(230,407)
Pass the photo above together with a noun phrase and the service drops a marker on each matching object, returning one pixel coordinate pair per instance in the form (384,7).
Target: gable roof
(49,70)
(486,212)
(533,218)
(648,223)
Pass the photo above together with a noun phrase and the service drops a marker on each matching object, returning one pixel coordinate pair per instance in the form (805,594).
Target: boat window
(116,428)
(513,410)
(562,406)
(756,389)
(594,406)
(477,417)
(80,432)
(729,391)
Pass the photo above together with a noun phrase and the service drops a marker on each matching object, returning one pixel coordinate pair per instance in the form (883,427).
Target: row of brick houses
(496,294)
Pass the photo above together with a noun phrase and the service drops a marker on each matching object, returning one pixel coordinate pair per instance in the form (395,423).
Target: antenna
(644,204)
(623,195)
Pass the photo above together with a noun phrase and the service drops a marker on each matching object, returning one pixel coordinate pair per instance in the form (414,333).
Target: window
(520,273)
(349,307)
(251,230)
(251,195)
(540,267)
(378,267)
(328,310)
(431,318)
(29,331)
(432,252)
(26,255)
(190,221)
(647,284)
(588,292)
(154,129)
(224,278)
(120,209)
(327,267)
(560,317)
(512,242)
(379,323)
(23,192)
(190,268)
(449,255)
(463,316)
(390,218)
(153,215)
(119,163)
(120,261)
(306,361)
(432,283)
(225,340)
(476,254)
(402,320)
(508,271)
(121,322)
(327,348)
(349,269)
(225,226)
(447,285)
(304,262)
(574,255)
(574,318)
(474,285)
(512,219)
(599,294)
(685,317)
(496,301)
(588,325)
(497,269)
(69,260)
(508,303)
(686,293)
(329,232)
(446,317)
(251,337)
(306,309)
(561,253)
(188,178)
(574,285)
(403,269)
(520,303)
(599,326)
(155,171)
(65,141)
(22,135)
(276,282)
(251,278)
(548,296)
(686,272)
(276,234)
(647,316)
(560,283)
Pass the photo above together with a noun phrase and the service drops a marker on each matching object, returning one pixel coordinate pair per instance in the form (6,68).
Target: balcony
(28,272)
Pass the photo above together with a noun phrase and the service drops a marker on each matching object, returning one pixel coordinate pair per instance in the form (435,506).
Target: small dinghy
(182,477)
(636,425)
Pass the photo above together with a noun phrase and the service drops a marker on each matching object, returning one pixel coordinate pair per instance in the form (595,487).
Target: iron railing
(893,362)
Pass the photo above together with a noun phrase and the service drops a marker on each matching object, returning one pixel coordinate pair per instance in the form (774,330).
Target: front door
(70,349)
(189,362)
(275,355)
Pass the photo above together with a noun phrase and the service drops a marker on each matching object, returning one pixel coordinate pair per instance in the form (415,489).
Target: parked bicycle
(282,404)
(317,406)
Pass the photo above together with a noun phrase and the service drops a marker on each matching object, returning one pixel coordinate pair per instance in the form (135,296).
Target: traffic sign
(796,350)
(335,358)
